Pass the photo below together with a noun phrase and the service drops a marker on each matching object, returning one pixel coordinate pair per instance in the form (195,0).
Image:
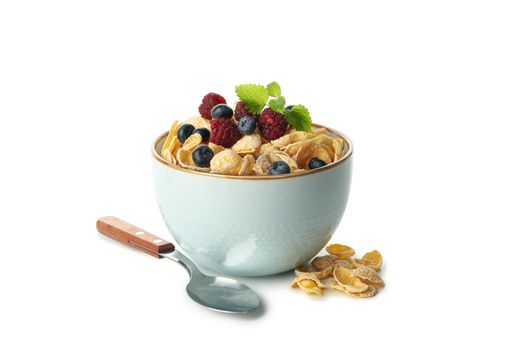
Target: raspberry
(242,111)
(224,132)
(272,124)
(208,102)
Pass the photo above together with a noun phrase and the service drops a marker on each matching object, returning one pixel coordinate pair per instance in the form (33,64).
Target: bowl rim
(347,155)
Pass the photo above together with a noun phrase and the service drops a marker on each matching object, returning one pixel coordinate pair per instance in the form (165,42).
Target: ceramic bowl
(252,225)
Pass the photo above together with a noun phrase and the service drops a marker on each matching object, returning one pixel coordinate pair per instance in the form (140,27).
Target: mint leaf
(298,117)
(277,104)
(273,89)
(254,96)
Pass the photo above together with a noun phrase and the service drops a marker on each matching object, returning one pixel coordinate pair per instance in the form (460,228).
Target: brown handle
(133,236)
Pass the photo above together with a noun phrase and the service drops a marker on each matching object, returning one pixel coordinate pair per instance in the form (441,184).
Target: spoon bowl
(216,292)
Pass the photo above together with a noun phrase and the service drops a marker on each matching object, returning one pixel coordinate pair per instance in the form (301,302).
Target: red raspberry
(242,111)
(208,102)
(272,124)
(224,132)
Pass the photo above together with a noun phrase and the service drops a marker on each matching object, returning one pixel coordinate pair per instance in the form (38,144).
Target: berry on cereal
(315,163)
(272,124)
(222,111)
(279,168)
(208,102)
(224,132)
(242,111)
(204,132)
(202,156)
(184,132)
(247,125)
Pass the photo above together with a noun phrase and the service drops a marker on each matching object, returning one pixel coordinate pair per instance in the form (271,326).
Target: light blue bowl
(251,225)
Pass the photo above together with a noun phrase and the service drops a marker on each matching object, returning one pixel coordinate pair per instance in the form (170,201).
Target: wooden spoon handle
(133,236)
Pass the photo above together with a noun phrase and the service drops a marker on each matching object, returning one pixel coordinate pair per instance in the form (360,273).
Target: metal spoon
(217,293)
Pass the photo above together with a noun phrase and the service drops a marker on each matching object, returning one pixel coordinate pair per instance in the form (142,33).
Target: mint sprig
(255,97)
(273,89)
(277,104)
(298,117)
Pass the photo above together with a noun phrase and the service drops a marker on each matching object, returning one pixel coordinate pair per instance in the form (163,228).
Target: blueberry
(279,167)
(202,156)
(316,163)
(205,133)
(184,132)
(247,125)
(221,111)
(289,107)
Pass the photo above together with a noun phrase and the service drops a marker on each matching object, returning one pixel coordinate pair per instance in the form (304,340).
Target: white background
(431,92)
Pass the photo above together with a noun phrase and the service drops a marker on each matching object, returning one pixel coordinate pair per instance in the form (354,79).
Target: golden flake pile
(340,271)
(252,154)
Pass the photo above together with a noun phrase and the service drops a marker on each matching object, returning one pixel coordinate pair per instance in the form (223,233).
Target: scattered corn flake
(322,262)
(227,162)
(369,292)
(192,142)
(342,273)
(372,259)
(305,269)
(312,271)
(369,276)
(340,250)
(345,263)
(247,144)
(358,263)
(309,284)
(332,283)
(348,280)
(247,165)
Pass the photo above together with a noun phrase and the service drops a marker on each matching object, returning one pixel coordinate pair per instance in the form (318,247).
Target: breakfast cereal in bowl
(253,188)
(259,136)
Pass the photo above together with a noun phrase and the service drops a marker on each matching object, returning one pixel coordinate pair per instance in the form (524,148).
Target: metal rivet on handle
(139,233)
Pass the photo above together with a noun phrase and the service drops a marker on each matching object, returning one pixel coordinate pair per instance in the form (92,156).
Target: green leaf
(254,96)
(298,117)
(273,89)
(277,104)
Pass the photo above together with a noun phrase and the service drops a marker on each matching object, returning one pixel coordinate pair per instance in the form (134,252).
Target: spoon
(215,292)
